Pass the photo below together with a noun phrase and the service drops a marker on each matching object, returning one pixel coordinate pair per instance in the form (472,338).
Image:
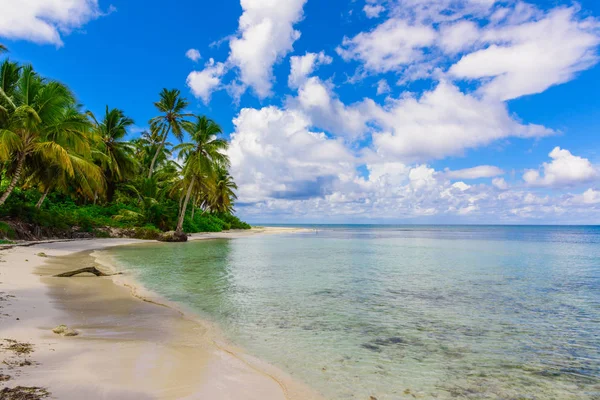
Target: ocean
(400,312)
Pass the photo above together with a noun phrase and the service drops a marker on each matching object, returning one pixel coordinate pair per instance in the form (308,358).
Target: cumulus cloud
(43,21)
(443,122)
(459,36)
(266,33)
(303,66)
(383,87)
(274,154)
(204,83)
(500,183)
(373,10)
(590,196)
(565,169)
(390,46)
(482,171)
(530,57)
(317,100)
(193,54)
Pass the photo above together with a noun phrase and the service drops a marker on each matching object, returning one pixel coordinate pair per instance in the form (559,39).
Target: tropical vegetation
(64,168)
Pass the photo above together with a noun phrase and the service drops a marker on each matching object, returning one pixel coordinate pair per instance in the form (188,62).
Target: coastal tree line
(61,164)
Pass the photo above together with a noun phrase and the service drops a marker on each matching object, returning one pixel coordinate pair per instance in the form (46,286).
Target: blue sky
(365,111)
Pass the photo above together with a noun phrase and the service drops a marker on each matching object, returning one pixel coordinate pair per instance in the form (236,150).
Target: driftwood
(91,270)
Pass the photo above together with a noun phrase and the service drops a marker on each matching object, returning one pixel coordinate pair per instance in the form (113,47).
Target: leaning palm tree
(115,155)
(201,157)
(171,120)
(40,119)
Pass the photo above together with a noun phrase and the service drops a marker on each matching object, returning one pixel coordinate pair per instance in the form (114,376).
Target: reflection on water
(402,312)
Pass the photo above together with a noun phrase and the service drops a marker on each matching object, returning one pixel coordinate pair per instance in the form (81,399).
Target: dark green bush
(233,221)
(148,232)
(61,212)
(6,231)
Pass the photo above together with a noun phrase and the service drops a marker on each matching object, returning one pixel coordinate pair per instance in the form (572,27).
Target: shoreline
(129,345)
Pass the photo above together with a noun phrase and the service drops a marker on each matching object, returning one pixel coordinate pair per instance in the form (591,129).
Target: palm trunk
(180,203)
(15,179)
(185,203)
(41,200)
(162,144)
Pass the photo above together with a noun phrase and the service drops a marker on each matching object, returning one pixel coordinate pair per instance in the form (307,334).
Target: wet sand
(131,344)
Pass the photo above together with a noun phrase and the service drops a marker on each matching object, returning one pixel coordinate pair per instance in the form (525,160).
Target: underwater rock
(389,341)
(371,347)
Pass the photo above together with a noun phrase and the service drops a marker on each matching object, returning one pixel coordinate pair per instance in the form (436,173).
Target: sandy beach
(128,347)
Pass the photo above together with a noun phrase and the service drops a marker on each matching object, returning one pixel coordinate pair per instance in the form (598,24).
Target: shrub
(6,231)
(148,232)
(233,221)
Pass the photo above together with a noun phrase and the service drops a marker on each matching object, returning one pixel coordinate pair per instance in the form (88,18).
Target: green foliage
(65,169)
(6,231)
(233,221)
(148,232)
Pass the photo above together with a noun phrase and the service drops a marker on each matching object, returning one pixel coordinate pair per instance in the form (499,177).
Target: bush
(149,216)
(6,231)
(233,221)
(148,232)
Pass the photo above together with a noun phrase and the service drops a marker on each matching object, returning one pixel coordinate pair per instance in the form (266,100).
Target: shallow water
(401,312)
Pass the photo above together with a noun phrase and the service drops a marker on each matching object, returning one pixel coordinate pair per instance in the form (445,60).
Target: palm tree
(201,157)
(40,119)
(172,107)
(116,155)
(223,192)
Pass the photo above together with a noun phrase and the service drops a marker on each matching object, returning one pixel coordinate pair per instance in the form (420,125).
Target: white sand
(127,348)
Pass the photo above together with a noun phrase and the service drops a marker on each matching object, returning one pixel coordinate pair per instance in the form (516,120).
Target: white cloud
(193,54)
(500,183)
(590,196)
(436,11)
(266,33)
(302,66)
(459,36)
(44,21)
(274,154)
(565,169)
(390,46)
(530,57)
(443,122)
(373,10)
(204,83)
(317,100)
(382,87)
(482,171)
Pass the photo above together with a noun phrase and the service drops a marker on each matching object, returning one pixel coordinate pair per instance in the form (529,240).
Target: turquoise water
(401,312)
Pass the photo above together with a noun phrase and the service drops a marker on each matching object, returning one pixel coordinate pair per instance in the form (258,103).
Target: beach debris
(91,270)
(24,393)
(42,254)
(4,378)
(64,330)
(372,398)
(17,347)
